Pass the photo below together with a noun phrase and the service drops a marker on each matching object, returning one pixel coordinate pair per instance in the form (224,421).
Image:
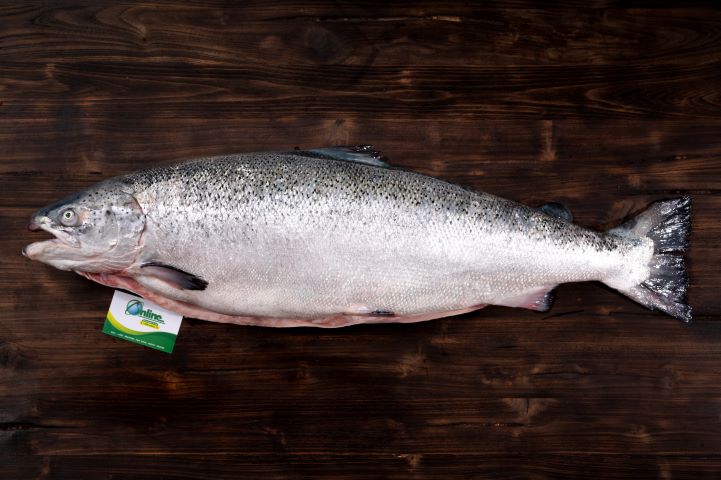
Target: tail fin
(667,223)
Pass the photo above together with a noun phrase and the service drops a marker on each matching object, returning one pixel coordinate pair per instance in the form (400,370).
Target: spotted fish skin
(309,238)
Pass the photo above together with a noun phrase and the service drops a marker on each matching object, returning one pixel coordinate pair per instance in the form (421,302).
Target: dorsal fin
(557,210)
(352,153)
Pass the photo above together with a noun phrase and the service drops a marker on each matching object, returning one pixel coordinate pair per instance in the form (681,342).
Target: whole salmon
(335,236)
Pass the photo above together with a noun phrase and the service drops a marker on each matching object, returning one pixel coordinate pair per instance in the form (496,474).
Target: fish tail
(667,223)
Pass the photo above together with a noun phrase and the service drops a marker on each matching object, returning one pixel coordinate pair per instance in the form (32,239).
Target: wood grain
(603,108)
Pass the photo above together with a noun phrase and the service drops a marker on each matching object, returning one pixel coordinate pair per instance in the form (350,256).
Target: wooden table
(604,109)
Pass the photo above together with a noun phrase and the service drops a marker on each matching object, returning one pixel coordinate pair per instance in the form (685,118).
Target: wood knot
(412,459)
(11,355)
(323,45)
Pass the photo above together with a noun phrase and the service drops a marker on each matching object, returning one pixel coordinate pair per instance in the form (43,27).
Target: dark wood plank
(604,109)
(401,467)
(431,34)
(190,62)
(188,91)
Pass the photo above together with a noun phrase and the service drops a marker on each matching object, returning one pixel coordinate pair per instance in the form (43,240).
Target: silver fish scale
(288,235)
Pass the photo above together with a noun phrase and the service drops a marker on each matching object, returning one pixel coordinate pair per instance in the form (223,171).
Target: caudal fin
(667,223)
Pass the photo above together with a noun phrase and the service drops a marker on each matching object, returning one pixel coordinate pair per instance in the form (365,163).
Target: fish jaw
(56,253)
(64,255)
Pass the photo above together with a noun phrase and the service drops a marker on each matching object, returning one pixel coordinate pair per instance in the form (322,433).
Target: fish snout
(37,222)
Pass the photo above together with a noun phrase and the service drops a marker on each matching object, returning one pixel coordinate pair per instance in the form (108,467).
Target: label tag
(141,321)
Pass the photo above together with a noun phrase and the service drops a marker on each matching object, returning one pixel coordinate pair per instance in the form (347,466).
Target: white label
(141,321)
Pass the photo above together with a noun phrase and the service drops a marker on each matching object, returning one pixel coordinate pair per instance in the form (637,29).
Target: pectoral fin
(174,276)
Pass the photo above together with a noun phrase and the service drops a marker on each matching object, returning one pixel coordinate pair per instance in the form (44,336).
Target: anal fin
(539,300)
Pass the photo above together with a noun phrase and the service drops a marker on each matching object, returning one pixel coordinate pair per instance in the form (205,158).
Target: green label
(140,321)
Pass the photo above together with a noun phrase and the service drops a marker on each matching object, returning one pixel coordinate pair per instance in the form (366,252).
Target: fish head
(97,230)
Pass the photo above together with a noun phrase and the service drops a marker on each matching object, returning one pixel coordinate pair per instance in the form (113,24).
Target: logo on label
(135,308)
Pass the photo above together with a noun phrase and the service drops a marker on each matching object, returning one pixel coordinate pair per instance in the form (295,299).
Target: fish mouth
(43,223)
(62,239)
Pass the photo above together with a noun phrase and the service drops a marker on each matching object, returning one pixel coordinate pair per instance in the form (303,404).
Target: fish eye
(69,218)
